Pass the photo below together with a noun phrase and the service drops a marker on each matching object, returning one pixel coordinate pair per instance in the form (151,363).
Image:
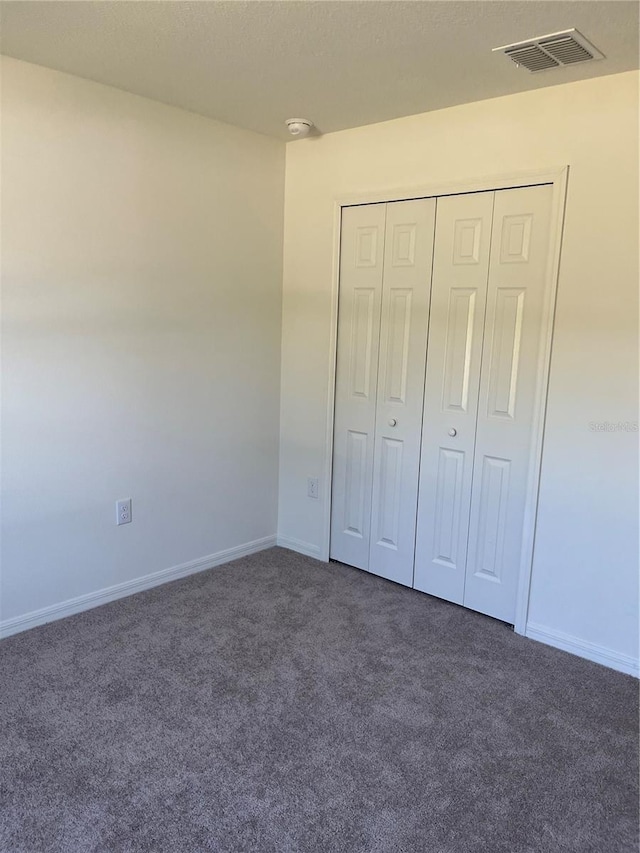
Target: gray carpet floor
(280,704)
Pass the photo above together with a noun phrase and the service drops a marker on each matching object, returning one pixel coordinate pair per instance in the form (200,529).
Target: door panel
(448,497)
(508,390)
(505,355)
(461,322)
(398,316)
(361,266)
(493,500)
(460,272)
(405,314)
(355,500)
(387,503)
(365,308)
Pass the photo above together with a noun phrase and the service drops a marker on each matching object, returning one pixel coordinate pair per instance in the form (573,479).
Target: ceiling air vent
(551,51)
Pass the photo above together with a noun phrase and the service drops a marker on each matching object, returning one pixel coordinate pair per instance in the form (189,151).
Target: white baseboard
(301,547)
(121,590)
(584,649)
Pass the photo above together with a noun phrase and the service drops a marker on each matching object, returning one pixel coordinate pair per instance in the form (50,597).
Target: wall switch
(312,487)
(123,511)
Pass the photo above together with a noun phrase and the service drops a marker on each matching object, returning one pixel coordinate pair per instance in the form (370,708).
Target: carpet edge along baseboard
(89,600)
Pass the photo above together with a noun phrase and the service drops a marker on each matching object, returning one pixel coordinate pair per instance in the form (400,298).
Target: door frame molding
(558,179)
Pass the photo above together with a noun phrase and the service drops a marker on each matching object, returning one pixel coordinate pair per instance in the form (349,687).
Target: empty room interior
(319,426)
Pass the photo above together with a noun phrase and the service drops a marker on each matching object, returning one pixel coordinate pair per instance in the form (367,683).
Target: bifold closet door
(383,308)
(485,333)
(406,289)
(458,299)
(509,383)
(455,445)
(360,297)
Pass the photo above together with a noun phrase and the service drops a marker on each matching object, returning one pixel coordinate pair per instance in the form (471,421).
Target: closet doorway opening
(443,315)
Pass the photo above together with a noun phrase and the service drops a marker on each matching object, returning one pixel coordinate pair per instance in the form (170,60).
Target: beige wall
(585,574)
(141,276)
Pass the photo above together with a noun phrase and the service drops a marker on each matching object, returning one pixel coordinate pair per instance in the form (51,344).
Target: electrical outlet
(123,511)
(312,487)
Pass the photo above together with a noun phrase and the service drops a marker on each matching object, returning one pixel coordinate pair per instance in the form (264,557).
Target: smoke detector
(299,127)
(551,51)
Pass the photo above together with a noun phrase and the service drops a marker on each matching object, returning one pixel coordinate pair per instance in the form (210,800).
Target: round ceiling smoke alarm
(299,127)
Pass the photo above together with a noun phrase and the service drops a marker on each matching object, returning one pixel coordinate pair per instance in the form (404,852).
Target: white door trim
(558,178)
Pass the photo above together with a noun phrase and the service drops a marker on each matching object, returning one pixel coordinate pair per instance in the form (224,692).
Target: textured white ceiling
(341,64)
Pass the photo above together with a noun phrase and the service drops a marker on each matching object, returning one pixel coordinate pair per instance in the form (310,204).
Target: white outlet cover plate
(123,511)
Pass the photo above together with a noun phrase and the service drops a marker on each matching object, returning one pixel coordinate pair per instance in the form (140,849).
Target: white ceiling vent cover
(551,51)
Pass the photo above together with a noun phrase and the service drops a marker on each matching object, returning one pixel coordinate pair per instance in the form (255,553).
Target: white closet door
(458,296)
(509,378)
(361,265)
(403,337)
